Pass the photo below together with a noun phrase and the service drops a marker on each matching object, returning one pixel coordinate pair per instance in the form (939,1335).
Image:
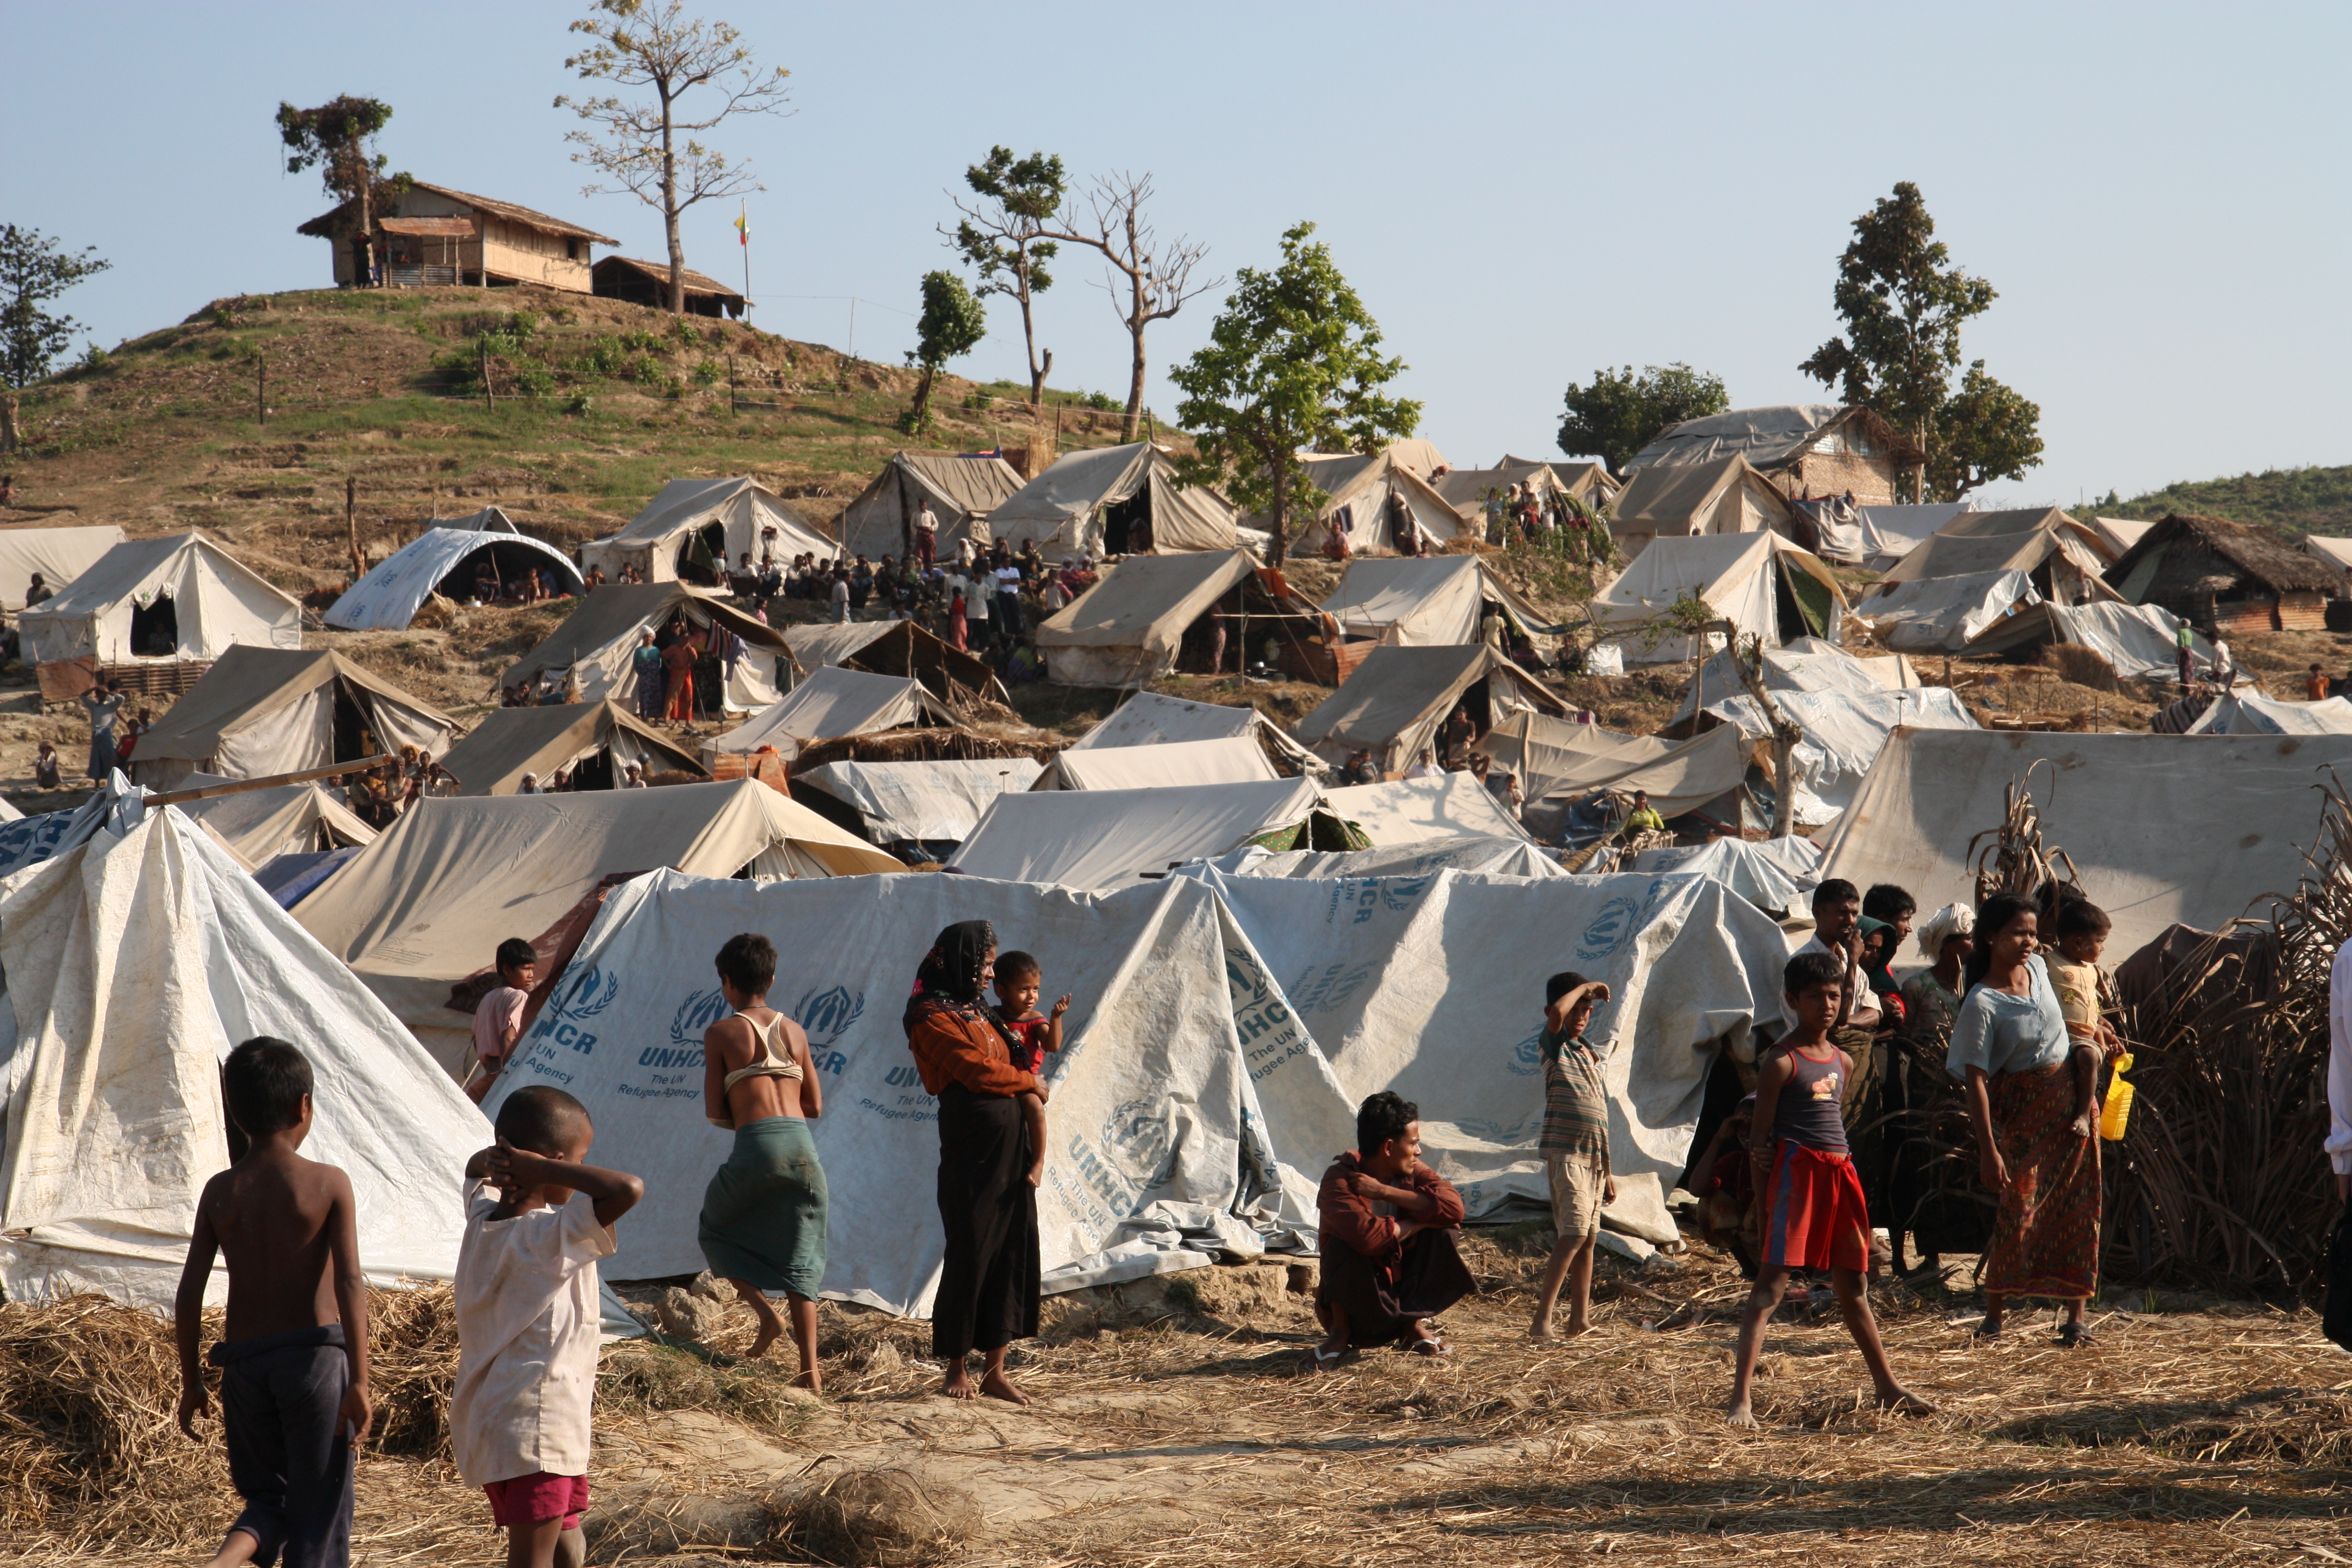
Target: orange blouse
(957,1047)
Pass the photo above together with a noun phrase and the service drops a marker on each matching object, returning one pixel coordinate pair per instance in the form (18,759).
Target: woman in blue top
(2010,1042)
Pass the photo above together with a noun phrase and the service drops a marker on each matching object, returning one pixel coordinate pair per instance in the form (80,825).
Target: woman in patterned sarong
(2011,1041)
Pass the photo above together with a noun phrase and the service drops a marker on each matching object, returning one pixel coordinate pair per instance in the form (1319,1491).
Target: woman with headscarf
(645,663)
(2010,1039)
(989,1279)
(1939,1214)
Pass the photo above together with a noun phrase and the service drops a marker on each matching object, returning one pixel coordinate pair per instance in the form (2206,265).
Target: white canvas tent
(1148,718)
(58,554)
(1373,497)
(1415,811)
(920,803)
(259,825)
(961,490)
(1127,629)
(389,597)
(705,526)
(2120,533)
(1684,501)
(1436,599)
(1466,489)
(178,597)
(1199,1106)
(1098,840)
(2161,829)
(1764,586)
(1116,501)
(1808,664)
(2251,713)
(135,961)
(1891,532)
(427,903)
(260,711)
(1392,703)
(1845,732)
(598,640)
(594,741)
(2064,559)
(1238,759)
(828,705)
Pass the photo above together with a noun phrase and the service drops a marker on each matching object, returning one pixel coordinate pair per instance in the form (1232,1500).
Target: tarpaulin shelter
(389,597)
(598,640)
(595,741)
(2161,829)
(258,712)
(2335,553)
(930,803)
(1891,532)
(961,490)
(830,704)
(1097,840)
(1806,448)
(1415,811)
(1370,499)
(1393,702)
(1116,501)
(1807,664)
(1684,501)
(2251,713)
(1127,630)
(1777,874)
(1149,719)
(895,647)
(2120,533)
(1556,764)
(488,519)
(58,554)
(1845,732)
(428,902)
(1466,489)
(2064,559)
(1764,586)
(698,529)
(178,597)
(1927,615)
(1436,599)
(2138,641)
(135,960)
(1496,857)
(1224,1032)
(261,825)
(1238,759)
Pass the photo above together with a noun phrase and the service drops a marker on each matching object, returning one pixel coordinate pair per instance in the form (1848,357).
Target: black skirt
(988,1281)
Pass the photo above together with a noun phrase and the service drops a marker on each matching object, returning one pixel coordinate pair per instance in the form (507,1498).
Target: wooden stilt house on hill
(2225,578)
(432,235)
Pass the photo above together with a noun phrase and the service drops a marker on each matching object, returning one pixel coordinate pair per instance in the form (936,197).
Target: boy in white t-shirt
(528,1311)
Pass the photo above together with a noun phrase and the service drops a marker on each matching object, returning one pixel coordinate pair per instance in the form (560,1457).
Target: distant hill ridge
(2291,503)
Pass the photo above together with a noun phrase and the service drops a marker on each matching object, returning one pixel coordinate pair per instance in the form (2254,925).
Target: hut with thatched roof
(2226,578)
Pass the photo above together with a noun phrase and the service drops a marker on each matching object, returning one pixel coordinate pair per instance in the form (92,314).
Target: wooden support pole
(260,390)
(240,786)
(352,525)
(489,399)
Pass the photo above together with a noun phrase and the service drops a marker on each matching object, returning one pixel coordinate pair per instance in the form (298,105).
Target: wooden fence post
(351,524)
(260,390)
(489,398)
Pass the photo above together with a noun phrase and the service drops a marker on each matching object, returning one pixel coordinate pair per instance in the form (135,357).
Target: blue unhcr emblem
(696,1014)
(828,1015)
(1526,1057)
(1144,1141)
(589,992)
(1609,929)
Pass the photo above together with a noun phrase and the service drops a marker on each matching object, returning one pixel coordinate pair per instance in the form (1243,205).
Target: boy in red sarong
(1814,1216)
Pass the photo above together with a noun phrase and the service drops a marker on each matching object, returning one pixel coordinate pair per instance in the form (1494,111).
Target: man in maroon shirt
(1388,1227)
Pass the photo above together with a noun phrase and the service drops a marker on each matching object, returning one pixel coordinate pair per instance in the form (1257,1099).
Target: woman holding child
(988,1291)
(2010,1042)
(763,1226)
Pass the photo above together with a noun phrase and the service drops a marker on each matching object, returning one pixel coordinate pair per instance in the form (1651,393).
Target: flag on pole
(743,226)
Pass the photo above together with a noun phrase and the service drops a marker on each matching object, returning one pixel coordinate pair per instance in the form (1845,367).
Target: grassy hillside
(596,403)
(2293,501)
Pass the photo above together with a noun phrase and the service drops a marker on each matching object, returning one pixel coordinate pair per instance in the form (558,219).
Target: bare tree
(1156,279)
(650,43)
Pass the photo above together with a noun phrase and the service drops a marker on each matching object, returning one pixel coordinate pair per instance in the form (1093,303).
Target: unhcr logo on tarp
(828,1015)
(697,1013)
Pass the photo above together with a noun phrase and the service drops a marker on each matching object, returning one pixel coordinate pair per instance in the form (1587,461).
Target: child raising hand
(1019,980)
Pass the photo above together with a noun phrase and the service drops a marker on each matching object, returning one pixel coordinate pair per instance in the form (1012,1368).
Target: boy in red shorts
(1814,1216)
(528,1310)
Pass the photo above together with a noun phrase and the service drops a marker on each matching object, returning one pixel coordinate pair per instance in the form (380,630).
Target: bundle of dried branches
(2015,861)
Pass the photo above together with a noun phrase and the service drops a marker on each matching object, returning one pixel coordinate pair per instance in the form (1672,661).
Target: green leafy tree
(337,138)
(1002,236)
(1904,303)
(34,270)
(1291,365)
(1620,412)
(649,148)
(952,325)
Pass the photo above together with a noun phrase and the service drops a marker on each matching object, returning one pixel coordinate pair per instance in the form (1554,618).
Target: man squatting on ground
(1389,1256)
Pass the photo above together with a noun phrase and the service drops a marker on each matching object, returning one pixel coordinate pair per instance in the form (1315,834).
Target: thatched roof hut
(2225,577)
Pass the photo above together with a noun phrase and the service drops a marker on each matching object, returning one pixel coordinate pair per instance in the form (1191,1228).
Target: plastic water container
(2117,1110)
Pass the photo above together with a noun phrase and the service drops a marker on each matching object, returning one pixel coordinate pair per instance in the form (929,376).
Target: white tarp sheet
(1945,614)
(1146,718)
(1487,857)
(1891,532)
(1410,602)
(1808,664)
(2139,641)
(1845,732)
(58,554)
(1775,875)
(389,597)
(2251,713)
(1096,840)
(218,602)
(929,802)
(828,705)
(1240,760)
(1192,1108)
(2191,828)
(1408,811)
(134,963)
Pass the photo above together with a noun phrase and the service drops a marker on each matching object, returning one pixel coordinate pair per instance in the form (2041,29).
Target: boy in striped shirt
(1575,1146)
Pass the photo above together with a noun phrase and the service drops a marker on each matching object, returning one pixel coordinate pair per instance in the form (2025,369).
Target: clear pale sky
(1519,193)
